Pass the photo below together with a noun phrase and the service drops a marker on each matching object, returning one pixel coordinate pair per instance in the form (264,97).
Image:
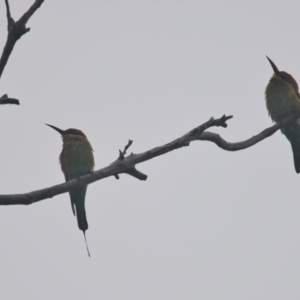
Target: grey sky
(207,224)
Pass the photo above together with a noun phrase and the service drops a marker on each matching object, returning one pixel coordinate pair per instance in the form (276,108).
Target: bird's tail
(78,199)
(293,135)
(296,153)
(87,248)
(81,216)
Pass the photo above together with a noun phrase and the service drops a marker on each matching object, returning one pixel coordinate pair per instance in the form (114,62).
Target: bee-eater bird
(76,160)
(283,100)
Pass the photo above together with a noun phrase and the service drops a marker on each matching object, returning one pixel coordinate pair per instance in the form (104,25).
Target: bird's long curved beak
(275,69)
(57,129)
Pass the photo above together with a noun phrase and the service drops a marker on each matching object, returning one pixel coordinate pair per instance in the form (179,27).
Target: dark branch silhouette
(134,172)
(6,100)
(131,171)
(219,141)
(127,164)
(15,31)
(123,153)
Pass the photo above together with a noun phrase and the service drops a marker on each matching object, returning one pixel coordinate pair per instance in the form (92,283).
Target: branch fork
(132,170)
(15,31)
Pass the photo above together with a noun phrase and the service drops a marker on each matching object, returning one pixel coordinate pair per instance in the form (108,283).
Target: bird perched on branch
(76,160)
(283,100)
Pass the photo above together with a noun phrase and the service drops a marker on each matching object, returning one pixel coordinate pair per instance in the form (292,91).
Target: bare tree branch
(5,100)
(123,153)
(15,31)
(127,164)
(28,14)
(219,141)
(132,171)
(123,165)
(10,20)
(135,173)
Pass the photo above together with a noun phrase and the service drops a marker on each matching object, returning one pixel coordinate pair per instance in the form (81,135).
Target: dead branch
(127,164)
(131,171)
(6,100)
(123,153)
(121,165)
(219,141)
(15,31)
(122,156)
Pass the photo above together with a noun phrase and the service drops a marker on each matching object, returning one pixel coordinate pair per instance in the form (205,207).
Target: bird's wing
(71,197)
(292,132)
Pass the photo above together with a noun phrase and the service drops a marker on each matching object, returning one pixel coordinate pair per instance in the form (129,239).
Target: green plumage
(283,100)
(76,160)
(292,133)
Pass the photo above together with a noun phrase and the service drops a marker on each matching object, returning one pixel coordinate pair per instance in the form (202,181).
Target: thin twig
(132,171)
(123,153)
(219,141)
(15,31)
(10,20)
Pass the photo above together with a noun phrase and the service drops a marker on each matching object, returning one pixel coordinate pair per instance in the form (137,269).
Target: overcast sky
(207,224)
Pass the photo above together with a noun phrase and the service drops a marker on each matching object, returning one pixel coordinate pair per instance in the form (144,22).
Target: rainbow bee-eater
(76,160)
(283,100)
